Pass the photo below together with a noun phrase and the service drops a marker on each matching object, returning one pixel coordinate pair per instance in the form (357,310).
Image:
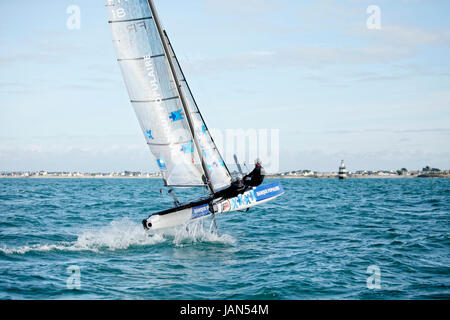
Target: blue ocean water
(315,242)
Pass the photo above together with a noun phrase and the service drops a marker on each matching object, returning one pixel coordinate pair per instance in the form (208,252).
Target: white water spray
(123,234)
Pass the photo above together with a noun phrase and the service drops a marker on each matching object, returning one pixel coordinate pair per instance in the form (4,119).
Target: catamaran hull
(248,199)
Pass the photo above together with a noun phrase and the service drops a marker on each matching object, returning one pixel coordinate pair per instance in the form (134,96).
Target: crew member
(237,187)
(256,177)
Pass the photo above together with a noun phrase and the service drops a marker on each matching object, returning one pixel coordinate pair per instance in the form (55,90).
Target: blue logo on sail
(161,164)
(176,115)
(187,147)
(149,134)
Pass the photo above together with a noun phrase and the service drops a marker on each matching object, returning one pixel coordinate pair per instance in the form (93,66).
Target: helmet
(258,161)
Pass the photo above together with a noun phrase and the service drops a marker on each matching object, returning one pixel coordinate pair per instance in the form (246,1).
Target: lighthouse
(342,174)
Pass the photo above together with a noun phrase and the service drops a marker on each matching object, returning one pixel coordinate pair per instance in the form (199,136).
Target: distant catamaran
(170,119)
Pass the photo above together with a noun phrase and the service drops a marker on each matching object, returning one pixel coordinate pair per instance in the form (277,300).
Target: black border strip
(277,309)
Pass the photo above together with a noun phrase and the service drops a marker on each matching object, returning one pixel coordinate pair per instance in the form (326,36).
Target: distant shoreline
(352,177)
(82,177)
(268,177)
(357,177)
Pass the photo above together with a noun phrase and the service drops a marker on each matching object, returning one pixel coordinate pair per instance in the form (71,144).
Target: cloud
(389,130)
(378,159)
(302,56)
(247,7)
(45,51)
(405,36)
(67,157)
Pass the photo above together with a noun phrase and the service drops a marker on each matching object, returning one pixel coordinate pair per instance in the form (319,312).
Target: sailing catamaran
(172,124)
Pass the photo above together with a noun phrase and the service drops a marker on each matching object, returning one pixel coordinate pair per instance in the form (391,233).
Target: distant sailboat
(170,119)
(342,174)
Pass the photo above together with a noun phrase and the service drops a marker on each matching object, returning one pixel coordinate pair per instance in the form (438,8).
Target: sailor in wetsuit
(256,177)
(236,188)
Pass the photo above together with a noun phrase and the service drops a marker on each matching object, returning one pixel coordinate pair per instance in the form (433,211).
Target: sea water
(323,239)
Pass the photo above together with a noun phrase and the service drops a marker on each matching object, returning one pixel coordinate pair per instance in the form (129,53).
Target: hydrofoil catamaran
(170,119)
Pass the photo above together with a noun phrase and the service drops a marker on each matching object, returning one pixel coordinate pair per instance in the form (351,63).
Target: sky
(313,70)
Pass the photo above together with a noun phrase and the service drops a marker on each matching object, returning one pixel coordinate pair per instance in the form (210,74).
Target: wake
(123,234)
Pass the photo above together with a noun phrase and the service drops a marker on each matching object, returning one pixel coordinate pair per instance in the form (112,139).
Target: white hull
(250,198)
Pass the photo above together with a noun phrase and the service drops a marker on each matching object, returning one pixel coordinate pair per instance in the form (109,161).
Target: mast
(193,98)
(180,93)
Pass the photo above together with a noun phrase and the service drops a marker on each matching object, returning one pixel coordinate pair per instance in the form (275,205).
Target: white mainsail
(218,172)
(166,110)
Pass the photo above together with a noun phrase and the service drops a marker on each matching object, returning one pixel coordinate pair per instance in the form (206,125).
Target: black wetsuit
(236,188)
(255,178)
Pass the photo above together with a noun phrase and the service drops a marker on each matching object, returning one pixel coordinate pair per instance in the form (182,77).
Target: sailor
(237,187)
(256,177)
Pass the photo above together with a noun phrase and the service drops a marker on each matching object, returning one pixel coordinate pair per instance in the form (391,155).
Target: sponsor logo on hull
(226,206)
(268,191)
(243,200)
(201,211)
